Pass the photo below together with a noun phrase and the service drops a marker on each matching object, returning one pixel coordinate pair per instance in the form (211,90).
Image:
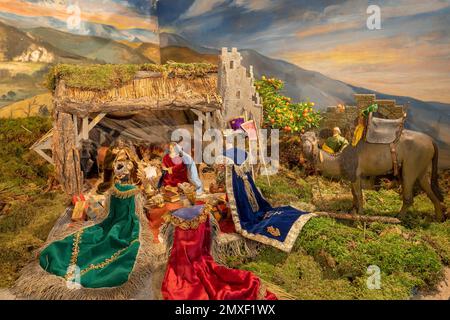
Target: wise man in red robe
(175,169)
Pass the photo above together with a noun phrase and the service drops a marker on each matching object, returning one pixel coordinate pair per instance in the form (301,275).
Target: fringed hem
(226,245)
(36,283)
(223,245)
(285,245)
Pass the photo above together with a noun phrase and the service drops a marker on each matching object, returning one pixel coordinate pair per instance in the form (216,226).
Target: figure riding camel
(335,143)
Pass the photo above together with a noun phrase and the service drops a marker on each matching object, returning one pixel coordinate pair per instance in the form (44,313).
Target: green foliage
(26,213)
(108,76)
(280,112)
(437,235)
(21,166)
(285,188)
(351,250)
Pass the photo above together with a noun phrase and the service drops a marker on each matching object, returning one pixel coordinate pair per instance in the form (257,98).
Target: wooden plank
(75,123)
(96,120)
(200,115)
(220,121)
(44,138)
(207,121)
(85,129)
(355,217)
(47,144)
(44,155)
(83,109)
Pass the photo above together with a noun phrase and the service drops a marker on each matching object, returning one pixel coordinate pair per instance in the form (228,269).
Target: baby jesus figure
(175,170)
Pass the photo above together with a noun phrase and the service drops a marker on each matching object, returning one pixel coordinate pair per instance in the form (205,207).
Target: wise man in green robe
(335,143)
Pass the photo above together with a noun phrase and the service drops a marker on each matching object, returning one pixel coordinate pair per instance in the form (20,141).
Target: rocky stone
(35,53)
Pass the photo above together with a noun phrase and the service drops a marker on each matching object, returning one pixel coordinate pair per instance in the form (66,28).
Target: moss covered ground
(27,214)
(330,259)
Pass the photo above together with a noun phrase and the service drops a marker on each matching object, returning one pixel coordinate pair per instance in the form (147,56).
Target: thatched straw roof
(88,89)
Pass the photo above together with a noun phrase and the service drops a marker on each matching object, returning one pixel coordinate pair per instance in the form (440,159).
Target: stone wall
(236,87)
(336,117)
(345,117)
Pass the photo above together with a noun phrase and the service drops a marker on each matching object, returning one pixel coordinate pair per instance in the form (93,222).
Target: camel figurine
(417,156)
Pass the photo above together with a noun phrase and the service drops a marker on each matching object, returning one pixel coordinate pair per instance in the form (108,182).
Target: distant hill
(16,44)
(36,105)
(86,28)
(91,47)
(186,55)
(173,40)
(150,50)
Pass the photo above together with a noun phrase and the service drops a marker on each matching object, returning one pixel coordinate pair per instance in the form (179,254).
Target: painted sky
(121,14)
(408,56)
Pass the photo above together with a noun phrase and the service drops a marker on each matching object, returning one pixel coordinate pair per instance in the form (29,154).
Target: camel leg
(358,195)
(425,184)
(408,197)
(354,198)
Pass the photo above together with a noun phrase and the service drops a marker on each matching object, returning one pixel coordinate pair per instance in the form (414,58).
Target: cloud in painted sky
(114,13)
(201,7)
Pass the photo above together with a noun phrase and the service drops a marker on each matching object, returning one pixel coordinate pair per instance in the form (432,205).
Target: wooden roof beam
(84,109)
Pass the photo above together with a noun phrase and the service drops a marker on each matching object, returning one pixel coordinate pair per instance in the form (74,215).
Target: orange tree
(280,112)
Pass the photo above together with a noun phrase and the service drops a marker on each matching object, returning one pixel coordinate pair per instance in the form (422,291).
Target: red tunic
(179,171)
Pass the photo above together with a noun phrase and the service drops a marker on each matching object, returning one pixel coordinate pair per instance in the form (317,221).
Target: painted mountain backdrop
(37,33)
(430,117)
(285,39)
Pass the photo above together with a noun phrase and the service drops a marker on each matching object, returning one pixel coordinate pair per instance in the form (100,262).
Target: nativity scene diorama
(149,222)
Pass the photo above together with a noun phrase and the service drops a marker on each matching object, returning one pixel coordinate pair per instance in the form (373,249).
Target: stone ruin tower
(237,89)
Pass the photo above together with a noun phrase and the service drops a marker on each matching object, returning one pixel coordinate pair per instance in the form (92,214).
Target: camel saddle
(384,131)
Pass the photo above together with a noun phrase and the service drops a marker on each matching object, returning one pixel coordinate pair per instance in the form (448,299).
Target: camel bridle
(314,151)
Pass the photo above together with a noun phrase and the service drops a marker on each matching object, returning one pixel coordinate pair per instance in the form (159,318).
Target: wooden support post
(85,129)
(65,154)
(75,124)
(199,114)
(88,126)
(207,120)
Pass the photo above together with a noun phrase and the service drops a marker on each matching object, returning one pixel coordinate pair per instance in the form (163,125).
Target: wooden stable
(77,110)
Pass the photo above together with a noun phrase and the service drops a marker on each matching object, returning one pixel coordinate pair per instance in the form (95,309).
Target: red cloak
(179,171)
(192,273)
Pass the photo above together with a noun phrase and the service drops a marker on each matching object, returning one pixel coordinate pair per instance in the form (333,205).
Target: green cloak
(112,259)
(103,254)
